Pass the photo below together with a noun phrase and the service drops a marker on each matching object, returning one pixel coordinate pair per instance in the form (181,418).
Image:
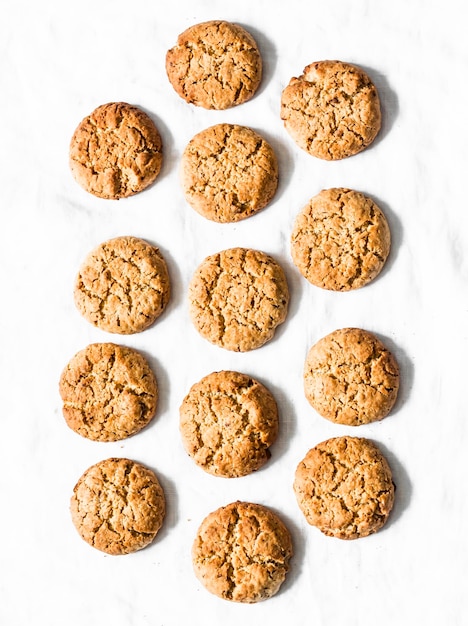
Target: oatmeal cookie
(116,151)
(344,487)
(109,392)
(229,172)
(122,286)
(237,298)
(228,421)
(118,506)
(215,65)
(332,111)
(351,378)
(241,552)
(340,240)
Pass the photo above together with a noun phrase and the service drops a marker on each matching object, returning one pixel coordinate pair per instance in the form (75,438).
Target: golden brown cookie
(109,392)
(242,552)
(122,286)
(229,172)
(332,110)
(215,65)
(351,378)
(344,487)
(116,151)
(118,506)
(237,298)
(340,240)
(228,421)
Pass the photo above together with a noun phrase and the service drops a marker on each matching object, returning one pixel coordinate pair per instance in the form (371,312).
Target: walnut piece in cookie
(215,65)
(122,286)
(351,378)
(109,392)
(242,552)
(228,421)
(229,172)
(340,240)
(344,487)
(237,298)
(118,506)
(332,111)
(116,151)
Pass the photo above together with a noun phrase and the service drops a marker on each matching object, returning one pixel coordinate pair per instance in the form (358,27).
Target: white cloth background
(58,61)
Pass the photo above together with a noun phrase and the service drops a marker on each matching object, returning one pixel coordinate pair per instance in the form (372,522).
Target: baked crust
(241,552)
(228,421)
(215,65)
(118,506)
(344,487)
(116,151)
(332,111)
(237,298)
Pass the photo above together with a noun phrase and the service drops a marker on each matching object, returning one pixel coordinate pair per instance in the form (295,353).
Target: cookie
(351,378)
(122,286)
(242,552)
(116,151)
(118,506)
(109,392)
(340,240)
(237,298)
(344,487)
(215,65)
(228,421)
(332,111)
(228,173)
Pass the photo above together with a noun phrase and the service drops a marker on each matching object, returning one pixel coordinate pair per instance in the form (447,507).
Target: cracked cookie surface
(344,487)
(332,110)
(237,298)
(118,506)
(215,65)
(340,240)
(229,172)
(109,392)
(351,378)
(116,151)
(241,552)
(122,286)
(228,421)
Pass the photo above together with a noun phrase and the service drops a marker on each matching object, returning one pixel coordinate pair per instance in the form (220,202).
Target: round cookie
(118,506)
(116,151)
(215,65)
(344,487)
(228,421)
(332,110)
(241,552)
(122,286)
(351,378)
(109,392)
(237,298)
(340,240)
(228,172)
